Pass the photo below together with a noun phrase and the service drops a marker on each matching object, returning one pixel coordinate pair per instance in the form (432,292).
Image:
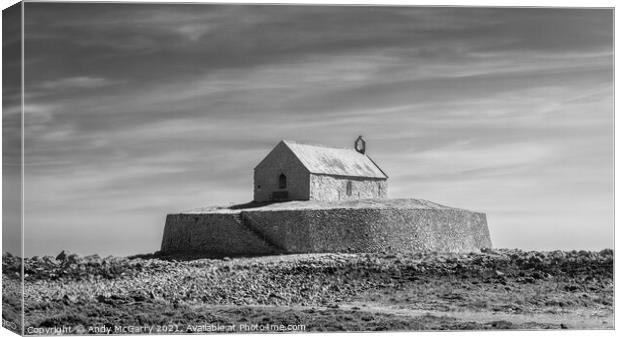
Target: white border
(478,3)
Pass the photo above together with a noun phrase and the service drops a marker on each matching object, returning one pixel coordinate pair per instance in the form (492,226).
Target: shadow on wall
(252,204)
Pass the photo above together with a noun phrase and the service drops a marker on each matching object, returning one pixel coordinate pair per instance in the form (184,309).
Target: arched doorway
(282,181)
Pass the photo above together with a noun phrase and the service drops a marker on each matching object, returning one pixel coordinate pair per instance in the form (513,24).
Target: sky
(133,111)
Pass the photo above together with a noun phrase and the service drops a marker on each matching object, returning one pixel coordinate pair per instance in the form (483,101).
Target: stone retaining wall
(375,230)
(259,232)
(211,233)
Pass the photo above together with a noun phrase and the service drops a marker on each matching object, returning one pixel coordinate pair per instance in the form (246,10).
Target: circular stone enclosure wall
(353,230)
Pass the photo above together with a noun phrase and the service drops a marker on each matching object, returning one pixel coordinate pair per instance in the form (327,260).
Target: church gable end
(281,176)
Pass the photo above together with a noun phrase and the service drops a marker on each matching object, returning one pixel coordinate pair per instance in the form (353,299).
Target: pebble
(305,279)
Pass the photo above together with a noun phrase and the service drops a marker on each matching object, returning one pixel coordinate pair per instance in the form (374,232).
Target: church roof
(334,161)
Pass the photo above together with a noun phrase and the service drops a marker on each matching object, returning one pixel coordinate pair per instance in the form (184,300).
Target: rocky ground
(495,289)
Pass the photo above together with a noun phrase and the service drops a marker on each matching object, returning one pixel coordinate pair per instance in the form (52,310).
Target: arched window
(282,181)
(349,188)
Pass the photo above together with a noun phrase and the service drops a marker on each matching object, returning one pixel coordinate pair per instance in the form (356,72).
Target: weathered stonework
(281,161)
(293,171)
(212,233)
(331,188)
(401,225)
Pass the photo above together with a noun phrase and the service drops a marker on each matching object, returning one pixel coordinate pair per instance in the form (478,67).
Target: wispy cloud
(133,111)
(79,82)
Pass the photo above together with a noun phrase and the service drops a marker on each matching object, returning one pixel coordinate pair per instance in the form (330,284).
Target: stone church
(294,171)
(340,177)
